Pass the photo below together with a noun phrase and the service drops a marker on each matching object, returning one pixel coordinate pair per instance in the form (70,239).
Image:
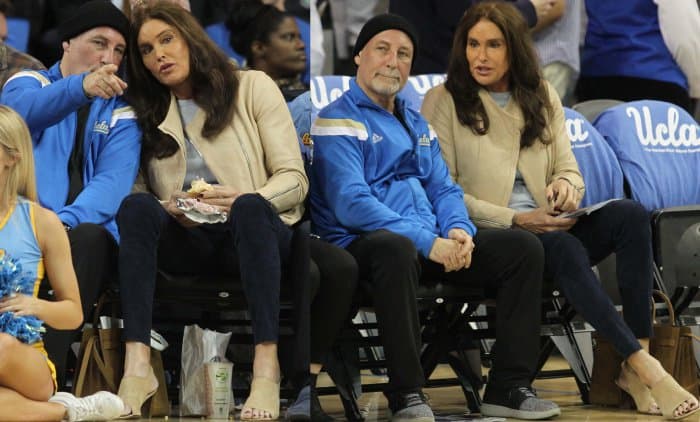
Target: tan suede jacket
(484,166)
(257,152)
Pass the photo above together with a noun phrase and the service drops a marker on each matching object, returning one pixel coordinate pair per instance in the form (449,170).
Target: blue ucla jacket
(49,103)
(371,172)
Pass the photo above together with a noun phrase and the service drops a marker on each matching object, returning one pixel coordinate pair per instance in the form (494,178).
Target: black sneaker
(517,402)
(410,407)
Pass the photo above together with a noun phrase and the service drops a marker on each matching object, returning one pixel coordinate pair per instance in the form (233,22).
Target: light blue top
(18,240)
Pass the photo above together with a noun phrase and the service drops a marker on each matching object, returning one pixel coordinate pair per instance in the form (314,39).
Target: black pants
(622,227)
(333,285)
(254,242)
(94,253)
(294,351)
(625,88)
(510,262)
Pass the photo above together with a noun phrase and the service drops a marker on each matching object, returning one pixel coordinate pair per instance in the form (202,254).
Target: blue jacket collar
(55,71)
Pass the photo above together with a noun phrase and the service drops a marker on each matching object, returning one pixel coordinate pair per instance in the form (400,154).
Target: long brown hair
(17,143)
(214,84)
(524,78)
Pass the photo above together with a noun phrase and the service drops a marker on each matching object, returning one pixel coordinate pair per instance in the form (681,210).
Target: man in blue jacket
(86,145)
(381,189)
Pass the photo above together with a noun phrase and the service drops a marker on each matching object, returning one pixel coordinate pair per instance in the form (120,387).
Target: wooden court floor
(449,401)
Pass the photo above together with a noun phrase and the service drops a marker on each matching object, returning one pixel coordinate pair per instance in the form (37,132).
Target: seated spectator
(11,60)
(203,119)
(270,41)
(495,110)
(86,146)
(34,237)
(381,190)
(333,282)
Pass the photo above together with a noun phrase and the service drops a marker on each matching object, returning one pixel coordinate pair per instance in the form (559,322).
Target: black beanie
(381,23)
(92,15)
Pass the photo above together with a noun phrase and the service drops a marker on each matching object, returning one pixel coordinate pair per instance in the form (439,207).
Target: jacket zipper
(247,161)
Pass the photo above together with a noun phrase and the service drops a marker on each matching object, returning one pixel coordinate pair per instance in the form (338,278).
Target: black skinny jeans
(509,262)
(622,227)
(254,242)
(333,284)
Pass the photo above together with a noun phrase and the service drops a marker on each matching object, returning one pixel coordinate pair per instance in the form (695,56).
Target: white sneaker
(101,406)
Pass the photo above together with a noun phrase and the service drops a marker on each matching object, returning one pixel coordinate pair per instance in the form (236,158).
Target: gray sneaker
(517,402)
(101,406)
(410,407)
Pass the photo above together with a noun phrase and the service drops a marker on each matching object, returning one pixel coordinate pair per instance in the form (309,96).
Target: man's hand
(20,304)
(172,209)
(466,242)
(542,7)
(562,196)
(103,82)
(541,221)
(222,197)
(447,252)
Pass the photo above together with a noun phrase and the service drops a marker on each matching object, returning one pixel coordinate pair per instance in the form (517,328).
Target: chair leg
(583,376)
(345,372)
(545,353)
(469,382)
(352,410)
(447,323)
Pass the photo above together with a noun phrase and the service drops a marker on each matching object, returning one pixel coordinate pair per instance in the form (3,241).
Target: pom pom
(27,329)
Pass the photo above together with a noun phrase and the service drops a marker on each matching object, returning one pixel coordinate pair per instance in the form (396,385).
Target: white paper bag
(198,347)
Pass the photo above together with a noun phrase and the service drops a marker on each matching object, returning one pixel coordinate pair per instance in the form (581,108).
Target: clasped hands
(455,252)
(562,196)
(221,197)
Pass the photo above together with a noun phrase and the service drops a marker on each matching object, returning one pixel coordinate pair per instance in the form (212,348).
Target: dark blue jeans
(254,243)
(622,227)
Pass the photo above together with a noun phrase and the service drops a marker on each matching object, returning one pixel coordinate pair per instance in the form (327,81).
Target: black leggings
(254,242)
(333,284)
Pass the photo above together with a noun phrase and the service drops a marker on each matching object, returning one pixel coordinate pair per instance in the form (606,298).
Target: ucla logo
(575,130)
(101,127)
(325,90)
(668,133)
(424,141)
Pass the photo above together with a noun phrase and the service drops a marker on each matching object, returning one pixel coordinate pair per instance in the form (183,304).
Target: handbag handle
(102,302)
(103,368)
(92,352)
(669,305)
(80,381)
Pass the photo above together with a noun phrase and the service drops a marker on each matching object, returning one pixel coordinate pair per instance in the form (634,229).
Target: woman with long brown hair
(501,130)
(203,119)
